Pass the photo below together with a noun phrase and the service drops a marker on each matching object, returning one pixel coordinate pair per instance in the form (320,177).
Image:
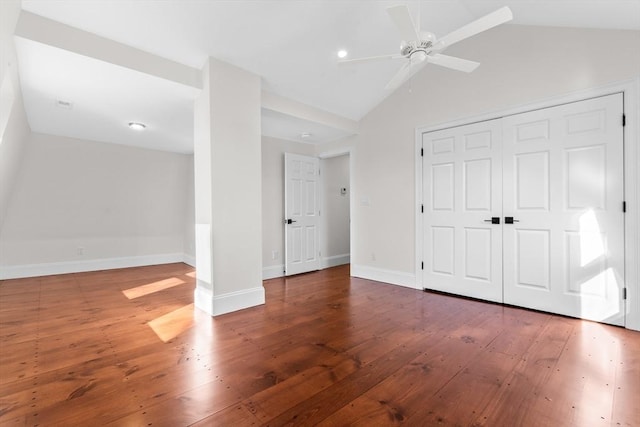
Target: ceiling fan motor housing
(408,49)
(426,44)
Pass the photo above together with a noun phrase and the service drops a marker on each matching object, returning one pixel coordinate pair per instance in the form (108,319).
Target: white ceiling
(104,98)
(291,44)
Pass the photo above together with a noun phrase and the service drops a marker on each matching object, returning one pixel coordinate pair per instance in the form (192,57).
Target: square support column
(228,190)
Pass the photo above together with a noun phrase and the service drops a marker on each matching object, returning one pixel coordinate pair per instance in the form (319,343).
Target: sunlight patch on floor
(173,324)
(140,291)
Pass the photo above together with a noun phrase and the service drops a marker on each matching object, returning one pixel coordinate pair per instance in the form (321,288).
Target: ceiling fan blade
(491,20)
(408,69)
(402,18)
(453,62)
(369,58)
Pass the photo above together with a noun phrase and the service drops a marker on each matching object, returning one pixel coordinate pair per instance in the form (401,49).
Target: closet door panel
(462,181)
(563,186)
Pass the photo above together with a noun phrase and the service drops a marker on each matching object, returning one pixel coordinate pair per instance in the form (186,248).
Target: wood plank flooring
(126,348)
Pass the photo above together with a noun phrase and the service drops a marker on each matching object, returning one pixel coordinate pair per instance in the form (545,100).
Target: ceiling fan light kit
(137,126)
(419,48)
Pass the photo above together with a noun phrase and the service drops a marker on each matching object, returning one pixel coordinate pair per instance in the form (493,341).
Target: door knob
(493,220)
(509,220)
(289,221)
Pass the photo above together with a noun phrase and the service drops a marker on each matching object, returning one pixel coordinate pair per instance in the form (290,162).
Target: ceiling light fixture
(66,105)
(137,126)
(305,135)
(342,53)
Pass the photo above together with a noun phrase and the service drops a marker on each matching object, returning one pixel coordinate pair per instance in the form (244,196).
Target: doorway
(335,241)
(317,211)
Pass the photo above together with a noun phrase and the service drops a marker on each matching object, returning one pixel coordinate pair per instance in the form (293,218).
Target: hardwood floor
(125,347)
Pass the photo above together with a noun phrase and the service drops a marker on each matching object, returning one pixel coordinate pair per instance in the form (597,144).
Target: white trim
(393,277)
(632,197)
(66,267)
(189,260)
(203,298)
(272,272)
(323,228)
(419,217)
(335,260)
(227,303)
(631,90)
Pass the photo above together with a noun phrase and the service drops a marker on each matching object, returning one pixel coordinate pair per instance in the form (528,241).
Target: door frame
(631,135)
(349,151)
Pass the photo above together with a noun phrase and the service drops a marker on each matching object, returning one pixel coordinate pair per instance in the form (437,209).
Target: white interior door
(462,182)
(301,214)
(563,184)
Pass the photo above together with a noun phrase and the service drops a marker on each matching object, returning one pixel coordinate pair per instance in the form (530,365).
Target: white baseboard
(272,272)
(333,261)
(65,267)
(226,303)
(381,275)
(189,260)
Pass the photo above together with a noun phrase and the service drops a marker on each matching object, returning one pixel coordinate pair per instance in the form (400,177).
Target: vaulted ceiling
(291,44)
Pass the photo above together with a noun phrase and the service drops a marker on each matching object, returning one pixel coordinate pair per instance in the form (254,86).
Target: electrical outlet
(373,256)
(80,251)
(274,254)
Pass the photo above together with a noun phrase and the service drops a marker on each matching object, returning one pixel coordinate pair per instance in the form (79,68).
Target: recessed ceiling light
(137,126)
(342,53)
(305,135)
(64,104)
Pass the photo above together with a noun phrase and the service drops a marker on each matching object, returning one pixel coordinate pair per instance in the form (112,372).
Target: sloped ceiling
(291,44)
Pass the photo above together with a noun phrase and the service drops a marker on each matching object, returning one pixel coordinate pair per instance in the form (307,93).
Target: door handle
(289,221)
(509,220)
(493,220)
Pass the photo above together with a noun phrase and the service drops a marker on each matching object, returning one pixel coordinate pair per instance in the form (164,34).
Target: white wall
(114,202)
(335,211)
(273,150)
(523,64)
(14,128)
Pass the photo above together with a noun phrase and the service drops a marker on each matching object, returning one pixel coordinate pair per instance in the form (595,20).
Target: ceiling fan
(419,48)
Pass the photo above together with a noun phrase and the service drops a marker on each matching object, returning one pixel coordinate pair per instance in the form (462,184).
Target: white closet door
(563,184)
(462,177)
